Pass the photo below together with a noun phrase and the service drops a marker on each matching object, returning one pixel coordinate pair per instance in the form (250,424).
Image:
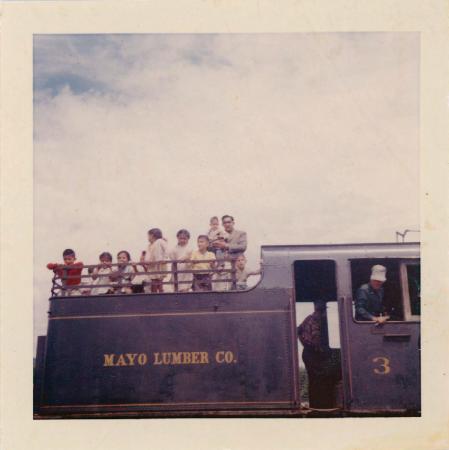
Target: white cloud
(304,138)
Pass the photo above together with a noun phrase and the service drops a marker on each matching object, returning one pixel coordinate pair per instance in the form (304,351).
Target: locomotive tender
(234,353)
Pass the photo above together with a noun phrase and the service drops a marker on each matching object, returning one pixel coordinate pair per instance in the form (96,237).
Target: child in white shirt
(101,275)
(182,251)
(125,273)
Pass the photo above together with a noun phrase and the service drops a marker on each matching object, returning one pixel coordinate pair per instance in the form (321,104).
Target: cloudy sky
(304,138)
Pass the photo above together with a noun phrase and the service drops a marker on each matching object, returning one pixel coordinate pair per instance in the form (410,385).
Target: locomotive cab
(380,364)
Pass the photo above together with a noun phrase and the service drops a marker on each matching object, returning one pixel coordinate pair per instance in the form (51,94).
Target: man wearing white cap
(369,297)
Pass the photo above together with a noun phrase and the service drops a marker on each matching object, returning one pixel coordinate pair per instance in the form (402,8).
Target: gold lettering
(219,357)
(171,358)
(108,360)
(121,361)
(142,359)
(131,357)
(384,363)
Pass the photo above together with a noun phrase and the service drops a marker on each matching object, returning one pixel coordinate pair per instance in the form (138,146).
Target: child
(101,275)
(86,283)
(202,280)
(242,273)
(221,279)
(124,274)
(71,277)
(154,257)
(182,251)
(216,234)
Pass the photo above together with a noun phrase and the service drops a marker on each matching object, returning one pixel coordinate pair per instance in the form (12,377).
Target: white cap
(378,273)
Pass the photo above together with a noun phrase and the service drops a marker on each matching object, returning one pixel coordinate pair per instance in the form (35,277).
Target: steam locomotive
(235,352)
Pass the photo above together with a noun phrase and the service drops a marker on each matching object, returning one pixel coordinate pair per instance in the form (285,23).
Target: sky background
(305,138)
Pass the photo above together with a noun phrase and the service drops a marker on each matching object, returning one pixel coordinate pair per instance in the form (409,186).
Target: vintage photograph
(226,225)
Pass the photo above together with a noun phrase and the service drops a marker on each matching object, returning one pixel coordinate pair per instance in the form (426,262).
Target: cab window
(401,289)
(316,280)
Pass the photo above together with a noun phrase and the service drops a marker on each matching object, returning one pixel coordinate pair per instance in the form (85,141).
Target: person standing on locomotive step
(154,258)
(182,251)
(323,370)
(369,297)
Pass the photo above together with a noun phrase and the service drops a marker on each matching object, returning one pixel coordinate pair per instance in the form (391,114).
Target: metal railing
(117,280)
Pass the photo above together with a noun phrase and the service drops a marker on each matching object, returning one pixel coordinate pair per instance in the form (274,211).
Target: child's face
(150,238)
(122,258)
(69,259)
(214,224)
(202,244)
(105,262)
(240,263)
(183,240)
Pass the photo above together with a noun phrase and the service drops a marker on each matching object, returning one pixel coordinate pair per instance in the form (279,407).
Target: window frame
(406,303)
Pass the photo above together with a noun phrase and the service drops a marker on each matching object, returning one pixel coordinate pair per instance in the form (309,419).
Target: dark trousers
(202,282)
(157,286)
(323,371)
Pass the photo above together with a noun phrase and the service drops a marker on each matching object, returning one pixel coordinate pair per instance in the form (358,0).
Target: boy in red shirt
(72,273)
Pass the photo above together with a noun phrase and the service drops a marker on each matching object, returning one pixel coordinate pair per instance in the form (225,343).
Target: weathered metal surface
(367,351)
(380,364)
(278,259)
(248,413)
(171,352)
(383,363)
(39,371)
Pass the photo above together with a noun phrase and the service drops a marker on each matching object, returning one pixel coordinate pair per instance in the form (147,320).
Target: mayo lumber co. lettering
(168,358)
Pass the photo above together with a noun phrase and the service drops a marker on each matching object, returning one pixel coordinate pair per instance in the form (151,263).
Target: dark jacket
(368,302)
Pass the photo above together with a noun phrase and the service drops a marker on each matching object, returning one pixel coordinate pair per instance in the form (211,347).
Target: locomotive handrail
(61,285)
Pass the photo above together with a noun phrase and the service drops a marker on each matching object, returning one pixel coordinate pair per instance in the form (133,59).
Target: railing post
(233,275)
(53,281)
(174,269)
(64,284)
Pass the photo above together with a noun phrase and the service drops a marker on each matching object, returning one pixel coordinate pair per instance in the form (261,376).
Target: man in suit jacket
(236,241)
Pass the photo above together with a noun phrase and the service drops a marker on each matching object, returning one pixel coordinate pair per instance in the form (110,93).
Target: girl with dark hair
(124,273)
(102,275)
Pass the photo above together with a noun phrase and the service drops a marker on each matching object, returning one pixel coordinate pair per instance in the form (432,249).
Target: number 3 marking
(385,364)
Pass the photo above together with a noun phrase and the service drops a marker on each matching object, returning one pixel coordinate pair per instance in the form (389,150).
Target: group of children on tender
(206,268)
